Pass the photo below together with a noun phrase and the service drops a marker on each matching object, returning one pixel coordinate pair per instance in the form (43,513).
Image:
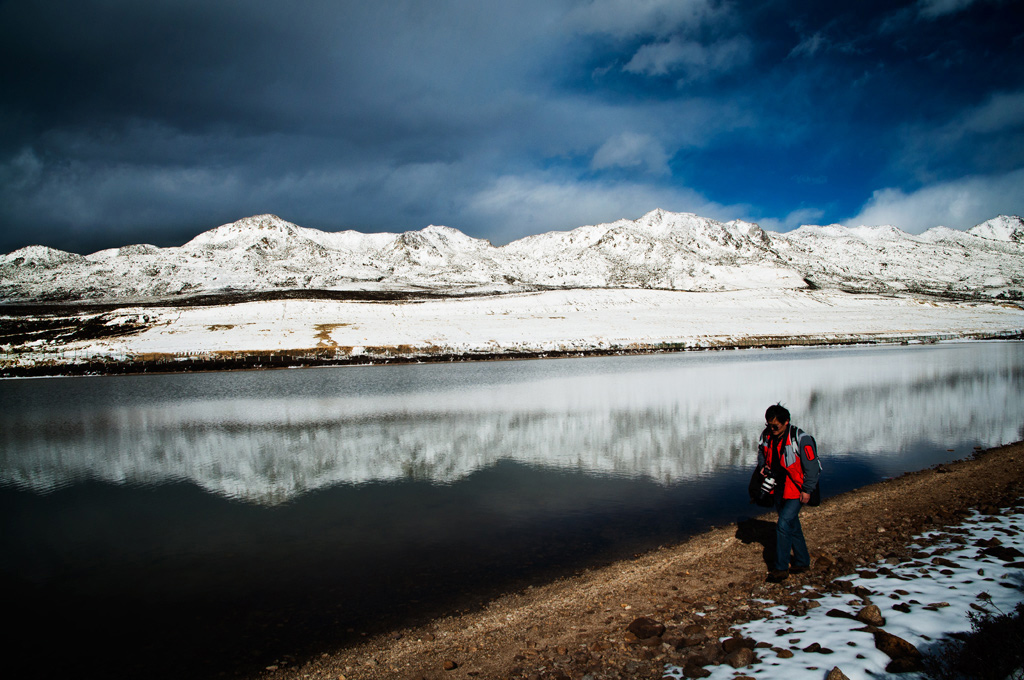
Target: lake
(220,521)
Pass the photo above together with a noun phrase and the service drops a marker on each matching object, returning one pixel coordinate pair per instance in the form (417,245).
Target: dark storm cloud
(128,122)
(235,103)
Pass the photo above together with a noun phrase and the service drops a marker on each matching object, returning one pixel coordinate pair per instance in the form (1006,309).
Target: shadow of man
(761,531)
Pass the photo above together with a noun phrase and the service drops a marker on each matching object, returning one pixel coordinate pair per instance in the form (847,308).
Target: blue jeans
(789,536)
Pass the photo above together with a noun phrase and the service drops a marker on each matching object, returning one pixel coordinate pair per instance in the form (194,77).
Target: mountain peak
(40,256)
(264,221)
(881,232)
(1001,228)
(247,228)
(449,235)
(657,216)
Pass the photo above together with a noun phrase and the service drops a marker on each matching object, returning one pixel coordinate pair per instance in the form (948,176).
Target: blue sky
(149,122)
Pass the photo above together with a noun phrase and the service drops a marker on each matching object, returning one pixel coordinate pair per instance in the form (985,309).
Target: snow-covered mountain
(1002,228)
(663,250)
(660,250)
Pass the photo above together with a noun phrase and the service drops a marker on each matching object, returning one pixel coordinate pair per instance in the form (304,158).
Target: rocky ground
(673,605)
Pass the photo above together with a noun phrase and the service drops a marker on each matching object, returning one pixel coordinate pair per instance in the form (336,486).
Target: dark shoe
(798,570)
(777,575)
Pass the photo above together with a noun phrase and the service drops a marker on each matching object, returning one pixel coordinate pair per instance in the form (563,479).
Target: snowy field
(573,320)
(663,281)
(922,602)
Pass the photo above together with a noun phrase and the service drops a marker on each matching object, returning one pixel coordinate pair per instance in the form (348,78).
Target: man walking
(790,456)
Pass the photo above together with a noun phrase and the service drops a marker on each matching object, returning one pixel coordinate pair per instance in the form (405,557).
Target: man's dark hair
(777,412)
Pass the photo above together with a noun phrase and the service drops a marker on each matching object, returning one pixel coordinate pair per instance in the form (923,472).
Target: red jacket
(797,453)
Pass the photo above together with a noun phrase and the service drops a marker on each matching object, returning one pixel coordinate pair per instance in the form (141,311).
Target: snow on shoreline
(530,323)
(924,601)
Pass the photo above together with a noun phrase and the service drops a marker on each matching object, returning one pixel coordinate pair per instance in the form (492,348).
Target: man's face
(777,428)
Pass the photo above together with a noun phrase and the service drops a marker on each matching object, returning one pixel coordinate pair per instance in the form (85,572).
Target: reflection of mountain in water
(667,418)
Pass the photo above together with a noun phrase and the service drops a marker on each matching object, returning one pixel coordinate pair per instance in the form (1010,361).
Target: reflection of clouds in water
(668,418)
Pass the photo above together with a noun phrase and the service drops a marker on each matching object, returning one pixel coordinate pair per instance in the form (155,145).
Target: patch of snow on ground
(940,598)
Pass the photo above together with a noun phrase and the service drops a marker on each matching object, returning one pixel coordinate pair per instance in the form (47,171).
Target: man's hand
(805,498)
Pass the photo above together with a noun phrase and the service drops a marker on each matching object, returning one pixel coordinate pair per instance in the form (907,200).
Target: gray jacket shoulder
(811,466)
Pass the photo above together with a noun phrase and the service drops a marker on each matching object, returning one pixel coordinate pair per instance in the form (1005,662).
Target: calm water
(220,521)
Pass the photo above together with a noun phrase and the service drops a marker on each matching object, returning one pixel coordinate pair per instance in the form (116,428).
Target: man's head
(776,418)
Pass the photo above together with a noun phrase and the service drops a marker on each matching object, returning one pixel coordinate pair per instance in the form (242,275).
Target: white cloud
(22,172)
(902,19)
(819,43)
(630,150)
(810,46)
(933,9)
(958,204)
(628,18)
(795,219)
(985,138)
(692,58)
(1004,111)
(523,205)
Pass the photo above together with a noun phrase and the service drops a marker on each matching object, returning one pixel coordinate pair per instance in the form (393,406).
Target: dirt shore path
(577,627)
